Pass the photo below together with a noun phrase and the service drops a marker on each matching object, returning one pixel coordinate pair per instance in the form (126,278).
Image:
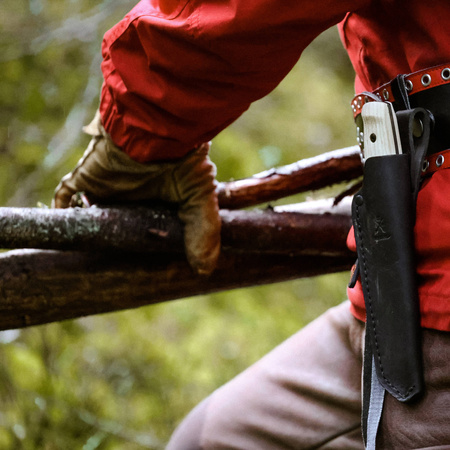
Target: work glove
(107,173)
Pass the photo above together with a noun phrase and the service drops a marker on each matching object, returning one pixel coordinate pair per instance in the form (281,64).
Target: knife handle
(381,135)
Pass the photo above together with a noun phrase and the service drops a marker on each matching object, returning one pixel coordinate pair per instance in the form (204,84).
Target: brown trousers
(306,394)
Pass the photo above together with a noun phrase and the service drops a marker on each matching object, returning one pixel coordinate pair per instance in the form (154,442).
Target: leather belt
(415,82)
(435,162)
(428,89)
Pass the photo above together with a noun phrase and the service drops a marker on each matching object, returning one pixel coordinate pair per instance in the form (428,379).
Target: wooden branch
(292,233)
(90,229)
(157,229)
(43,286)
(259,247)
(140,229)
(308,174)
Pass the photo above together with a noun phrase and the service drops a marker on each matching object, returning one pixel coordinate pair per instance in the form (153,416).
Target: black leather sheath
(383,218)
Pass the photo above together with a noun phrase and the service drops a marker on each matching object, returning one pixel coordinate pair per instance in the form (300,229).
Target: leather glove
(107,173)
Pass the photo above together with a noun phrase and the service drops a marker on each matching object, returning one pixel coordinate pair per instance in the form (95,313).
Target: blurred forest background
(125,380)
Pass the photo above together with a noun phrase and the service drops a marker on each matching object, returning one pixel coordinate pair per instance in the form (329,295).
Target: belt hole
(439,161)
(386,94)
(445,74)
(425,165)
(426,80)
(409,85)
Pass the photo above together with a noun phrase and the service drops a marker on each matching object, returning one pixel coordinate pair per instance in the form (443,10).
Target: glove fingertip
(61,199)
(205,263)
(57,203)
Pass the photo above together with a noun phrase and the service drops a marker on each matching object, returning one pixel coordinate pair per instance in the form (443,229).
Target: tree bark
(119,258)
(142,229)
(157,229)
(43,286)
(259,247)
(305,175)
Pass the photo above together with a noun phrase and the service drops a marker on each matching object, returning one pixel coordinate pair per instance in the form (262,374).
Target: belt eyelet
(445,74)
(409,85)
(426,79)
(440,160)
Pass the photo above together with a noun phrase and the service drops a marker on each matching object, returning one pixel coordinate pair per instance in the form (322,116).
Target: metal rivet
(409,85)
(386,94)
(439,161)
(359,136)
(445,74)
(359,200)
(425,80)
(425,165)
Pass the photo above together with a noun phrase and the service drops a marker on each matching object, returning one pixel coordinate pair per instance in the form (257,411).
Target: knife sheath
(383,220)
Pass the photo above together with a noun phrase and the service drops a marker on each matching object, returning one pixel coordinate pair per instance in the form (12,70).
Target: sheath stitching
(372,320)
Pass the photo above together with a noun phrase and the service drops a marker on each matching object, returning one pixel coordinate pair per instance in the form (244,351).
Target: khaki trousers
(306,394)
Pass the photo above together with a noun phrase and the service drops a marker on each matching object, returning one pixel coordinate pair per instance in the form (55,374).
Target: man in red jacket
(176,73)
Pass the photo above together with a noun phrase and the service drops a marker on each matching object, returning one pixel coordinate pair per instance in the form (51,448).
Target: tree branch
(131,255)
(141,229)
(308,174)
(39,287)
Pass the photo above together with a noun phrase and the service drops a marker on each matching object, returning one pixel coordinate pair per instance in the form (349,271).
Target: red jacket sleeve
(177,72)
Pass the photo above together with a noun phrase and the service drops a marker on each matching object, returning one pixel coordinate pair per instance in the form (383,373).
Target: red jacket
(177,72)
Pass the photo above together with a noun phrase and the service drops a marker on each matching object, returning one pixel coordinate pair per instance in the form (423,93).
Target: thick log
(142,229)
(305,175)
(43,286)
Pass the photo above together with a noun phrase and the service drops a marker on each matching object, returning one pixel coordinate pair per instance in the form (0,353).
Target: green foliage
(125,380)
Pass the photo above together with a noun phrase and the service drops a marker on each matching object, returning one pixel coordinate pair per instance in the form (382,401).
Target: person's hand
(107,173)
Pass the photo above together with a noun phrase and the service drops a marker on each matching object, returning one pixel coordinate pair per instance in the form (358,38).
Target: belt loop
(415,128)
(400,92)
